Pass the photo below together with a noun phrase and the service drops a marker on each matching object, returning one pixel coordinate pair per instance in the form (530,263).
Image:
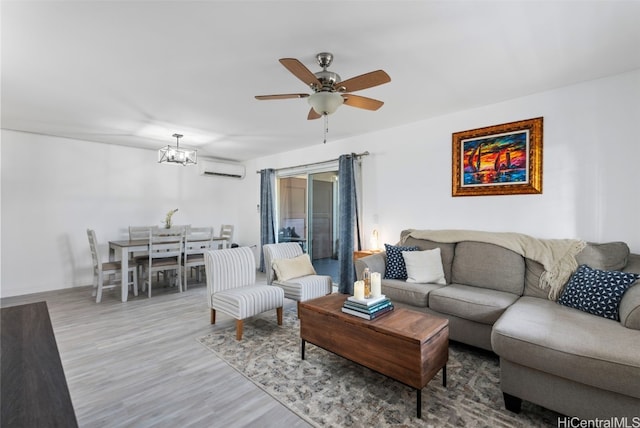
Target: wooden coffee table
(408,346)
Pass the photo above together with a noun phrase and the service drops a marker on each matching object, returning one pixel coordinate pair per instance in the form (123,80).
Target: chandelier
(175,154)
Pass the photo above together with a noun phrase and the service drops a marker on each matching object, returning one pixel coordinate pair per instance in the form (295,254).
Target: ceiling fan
(329,90)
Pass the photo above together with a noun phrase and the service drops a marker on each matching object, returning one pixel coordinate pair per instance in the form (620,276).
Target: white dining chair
(226,233)
(113,270)
(165,255)
(140,233)
(197,240)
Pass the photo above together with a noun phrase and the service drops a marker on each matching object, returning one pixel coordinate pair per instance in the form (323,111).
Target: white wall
(591,151)
(53,189)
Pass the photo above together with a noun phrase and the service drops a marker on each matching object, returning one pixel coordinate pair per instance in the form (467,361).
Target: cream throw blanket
(558,256)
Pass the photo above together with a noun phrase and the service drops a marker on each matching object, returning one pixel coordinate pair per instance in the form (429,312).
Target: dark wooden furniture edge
(33,387)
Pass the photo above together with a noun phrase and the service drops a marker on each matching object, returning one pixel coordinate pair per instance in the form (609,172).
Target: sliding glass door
(307,214)
(292,210)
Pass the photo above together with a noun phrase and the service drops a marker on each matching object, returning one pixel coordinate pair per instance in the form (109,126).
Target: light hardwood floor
(138,364)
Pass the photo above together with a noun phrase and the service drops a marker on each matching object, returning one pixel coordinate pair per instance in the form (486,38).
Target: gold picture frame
(498,160)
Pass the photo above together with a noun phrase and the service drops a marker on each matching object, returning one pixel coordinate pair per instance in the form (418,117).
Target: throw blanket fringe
(557,256)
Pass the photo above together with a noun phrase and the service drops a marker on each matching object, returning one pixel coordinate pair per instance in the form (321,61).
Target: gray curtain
(348,221)
(267,210)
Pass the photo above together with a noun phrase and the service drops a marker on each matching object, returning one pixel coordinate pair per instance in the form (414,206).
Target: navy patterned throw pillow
(596,291)
(396,269)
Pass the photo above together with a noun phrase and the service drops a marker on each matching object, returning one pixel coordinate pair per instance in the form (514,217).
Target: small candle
(376,287)
(358,290)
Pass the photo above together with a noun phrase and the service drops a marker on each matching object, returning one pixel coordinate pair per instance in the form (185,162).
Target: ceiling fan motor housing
(328,79)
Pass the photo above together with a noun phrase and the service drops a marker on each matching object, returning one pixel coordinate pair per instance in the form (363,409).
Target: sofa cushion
(561,341)
(395,268)
(488,266)
(532,273)
(400,291)
(596,291)
(482,305)
(424,266)
(447,251)
(607,256)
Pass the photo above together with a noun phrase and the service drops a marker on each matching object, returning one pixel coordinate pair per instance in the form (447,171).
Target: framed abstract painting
(498,160)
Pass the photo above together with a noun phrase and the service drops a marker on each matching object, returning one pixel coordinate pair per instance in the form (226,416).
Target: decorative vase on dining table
(167,220)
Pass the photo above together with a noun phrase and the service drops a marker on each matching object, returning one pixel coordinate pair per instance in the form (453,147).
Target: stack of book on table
(369,309)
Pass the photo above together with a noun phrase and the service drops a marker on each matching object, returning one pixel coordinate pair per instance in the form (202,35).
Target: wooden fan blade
(313,115)
(364,81)
(280,96)
(362,102)
(299,70)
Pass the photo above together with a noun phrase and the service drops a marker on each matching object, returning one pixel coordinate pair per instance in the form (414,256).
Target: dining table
(121,249)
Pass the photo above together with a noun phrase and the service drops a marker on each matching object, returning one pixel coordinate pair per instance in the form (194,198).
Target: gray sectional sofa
(573,362)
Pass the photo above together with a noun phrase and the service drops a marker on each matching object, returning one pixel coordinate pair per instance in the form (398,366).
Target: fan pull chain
(326,127)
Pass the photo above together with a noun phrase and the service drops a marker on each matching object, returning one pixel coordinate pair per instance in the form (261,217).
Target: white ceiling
(135,72)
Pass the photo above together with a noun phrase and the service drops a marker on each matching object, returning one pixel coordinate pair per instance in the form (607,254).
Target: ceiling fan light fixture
(325,103)
(177,155)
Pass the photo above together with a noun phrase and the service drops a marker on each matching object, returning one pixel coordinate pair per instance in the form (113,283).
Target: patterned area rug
(330,391)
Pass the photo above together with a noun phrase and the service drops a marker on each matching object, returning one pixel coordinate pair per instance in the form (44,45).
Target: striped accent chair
(301,288)
(232,289)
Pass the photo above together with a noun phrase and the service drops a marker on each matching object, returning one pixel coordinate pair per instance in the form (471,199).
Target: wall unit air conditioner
(221,169)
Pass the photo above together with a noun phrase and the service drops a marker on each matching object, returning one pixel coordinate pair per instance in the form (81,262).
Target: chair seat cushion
(195,258)
(482,305)
(111,266)
(169,261)
(244,302)
(306,287)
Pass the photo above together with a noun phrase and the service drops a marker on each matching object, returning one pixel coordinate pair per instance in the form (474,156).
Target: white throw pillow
(424,266)
(293,268)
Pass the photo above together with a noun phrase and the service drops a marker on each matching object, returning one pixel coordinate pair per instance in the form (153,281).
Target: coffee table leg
(302,348)
(444,376)
(419,403)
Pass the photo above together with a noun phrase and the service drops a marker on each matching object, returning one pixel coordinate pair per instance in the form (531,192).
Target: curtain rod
(358,155)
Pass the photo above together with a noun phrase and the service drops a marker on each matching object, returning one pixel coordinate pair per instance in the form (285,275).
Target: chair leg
(185,280)
(239,329)
(99,291)
(149,280)
(213,316)
(142,277)
(139,273)
(279,314)
(95,285)
(135,283)
(298,309)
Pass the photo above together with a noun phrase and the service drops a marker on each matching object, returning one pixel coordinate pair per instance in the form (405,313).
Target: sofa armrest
(375,263)
(630,305)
